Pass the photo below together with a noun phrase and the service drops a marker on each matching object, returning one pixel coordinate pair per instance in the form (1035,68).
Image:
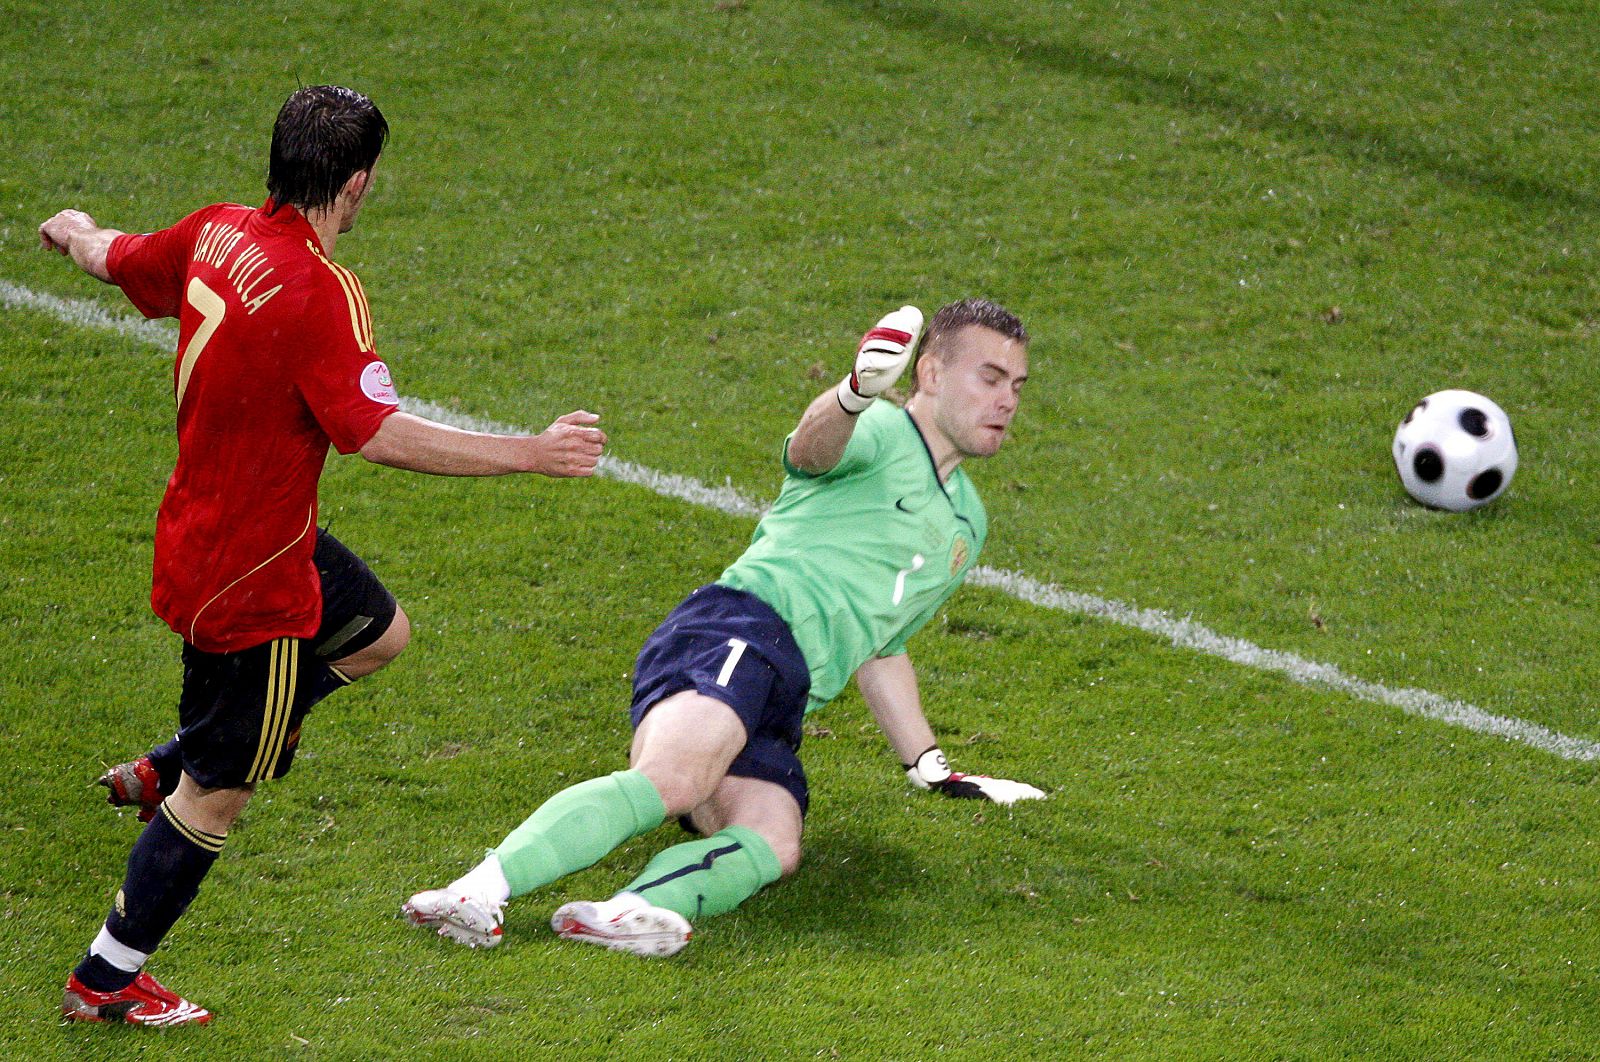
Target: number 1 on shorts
(738,645)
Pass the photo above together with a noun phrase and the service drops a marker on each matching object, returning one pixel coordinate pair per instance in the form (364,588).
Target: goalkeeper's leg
(681,751)
(756,841)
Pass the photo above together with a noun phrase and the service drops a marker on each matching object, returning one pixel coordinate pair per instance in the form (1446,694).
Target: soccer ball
(1455,451)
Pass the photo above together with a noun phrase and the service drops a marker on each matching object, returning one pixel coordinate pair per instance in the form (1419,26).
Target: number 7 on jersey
(211,308)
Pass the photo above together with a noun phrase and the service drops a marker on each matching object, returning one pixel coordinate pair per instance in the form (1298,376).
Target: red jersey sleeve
(344,382)
(150,268)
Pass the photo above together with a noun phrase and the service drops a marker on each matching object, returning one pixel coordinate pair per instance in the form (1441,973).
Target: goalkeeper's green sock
(710,876)
(577,827)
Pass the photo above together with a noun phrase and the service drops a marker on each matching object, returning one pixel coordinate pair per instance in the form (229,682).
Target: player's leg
(683,745)
(165,868)
(754,812)
(212,811)
(688,680)
(363,662)
(750,825)
(240,715)
(363,629)
(681,750)
(752,830)
(753,838)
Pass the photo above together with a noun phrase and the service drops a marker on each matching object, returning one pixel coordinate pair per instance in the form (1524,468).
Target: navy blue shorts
(239,714)
(732,647)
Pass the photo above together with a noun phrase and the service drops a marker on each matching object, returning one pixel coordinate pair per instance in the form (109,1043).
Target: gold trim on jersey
(282,673)
(211,842)
(355,299)
(196,621)
(366,310)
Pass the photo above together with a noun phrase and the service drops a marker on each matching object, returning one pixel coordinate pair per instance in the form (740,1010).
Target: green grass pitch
(1247,238)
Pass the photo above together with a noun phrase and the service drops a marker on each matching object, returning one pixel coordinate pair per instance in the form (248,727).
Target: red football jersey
(275,360)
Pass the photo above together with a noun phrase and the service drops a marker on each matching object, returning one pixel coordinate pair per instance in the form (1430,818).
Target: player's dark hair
(953,317)
(324,135)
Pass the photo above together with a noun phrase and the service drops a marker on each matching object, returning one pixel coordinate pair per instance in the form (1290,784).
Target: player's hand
(881,358)
(931,771)
(56,233)
(569,447)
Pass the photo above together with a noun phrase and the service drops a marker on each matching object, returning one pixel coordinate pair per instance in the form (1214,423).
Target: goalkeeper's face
(975,386)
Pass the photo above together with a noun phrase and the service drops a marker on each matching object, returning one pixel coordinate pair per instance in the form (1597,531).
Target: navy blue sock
(94,972)
(165,868)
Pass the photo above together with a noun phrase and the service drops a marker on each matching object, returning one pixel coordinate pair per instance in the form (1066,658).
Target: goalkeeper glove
(882,356)
(931,771)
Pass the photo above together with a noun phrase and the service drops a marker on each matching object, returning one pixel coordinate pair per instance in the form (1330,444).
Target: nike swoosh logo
(901,505)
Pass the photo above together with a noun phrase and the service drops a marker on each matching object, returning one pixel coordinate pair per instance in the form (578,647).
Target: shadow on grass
(1200,93)
(853,893)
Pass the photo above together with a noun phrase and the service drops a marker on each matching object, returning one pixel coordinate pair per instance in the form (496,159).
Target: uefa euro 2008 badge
(377,385)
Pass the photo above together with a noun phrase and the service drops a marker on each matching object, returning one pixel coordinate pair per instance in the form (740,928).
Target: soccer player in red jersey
(275,362)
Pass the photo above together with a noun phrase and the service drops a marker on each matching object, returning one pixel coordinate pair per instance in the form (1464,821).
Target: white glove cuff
(849,401)
(930,769)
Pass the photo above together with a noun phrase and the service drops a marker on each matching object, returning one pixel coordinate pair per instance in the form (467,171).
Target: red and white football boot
(144,1002)
(134,784)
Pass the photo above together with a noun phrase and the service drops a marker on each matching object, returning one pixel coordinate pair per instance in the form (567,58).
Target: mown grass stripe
(1190,89)
(1181,632)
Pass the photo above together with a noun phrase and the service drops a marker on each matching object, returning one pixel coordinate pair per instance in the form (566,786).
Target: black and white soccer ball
(1455,451)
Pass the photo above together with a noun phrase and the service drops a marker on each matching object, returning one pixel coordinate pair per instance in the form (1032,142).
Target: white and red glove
(931,771)
(881,358)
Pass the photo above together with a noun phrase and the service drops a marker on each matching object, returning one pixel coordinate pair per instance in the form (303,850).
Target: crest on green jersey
(958,554)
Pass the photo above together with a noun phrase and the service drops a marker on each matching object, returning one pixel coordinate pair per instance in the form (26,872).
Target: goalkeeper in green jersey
(876,525)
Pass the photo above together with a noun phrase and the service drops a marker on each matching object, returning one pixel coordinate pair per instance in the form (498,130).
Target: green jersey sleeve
(859,453)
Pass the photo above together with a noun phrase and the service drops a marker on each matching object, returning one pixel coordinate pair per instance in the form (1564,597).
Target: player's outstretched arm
(889,686)
(75,234)
(825,428)
(569,447)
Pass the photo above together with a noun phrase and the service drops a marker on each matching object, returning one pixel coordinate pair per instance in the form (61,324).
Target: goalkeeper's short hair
(953,317)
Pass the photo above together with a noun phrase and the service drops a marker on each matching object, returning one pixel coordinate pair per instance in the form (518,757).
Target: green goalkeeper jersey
(857,559)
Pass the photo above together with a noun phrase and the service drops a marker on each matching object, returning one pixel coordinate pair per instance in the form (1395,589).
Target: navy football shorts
(732,647)
(239,713)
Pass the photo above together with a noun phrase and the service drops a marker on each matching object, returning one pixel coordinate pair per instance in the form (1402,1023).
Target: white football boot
(469,920)
(623,923)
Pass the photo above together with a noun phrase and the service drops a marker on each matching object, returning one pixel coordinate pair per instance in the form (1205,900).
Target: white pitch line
(88,314)
(1187,634)
(1182,633)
